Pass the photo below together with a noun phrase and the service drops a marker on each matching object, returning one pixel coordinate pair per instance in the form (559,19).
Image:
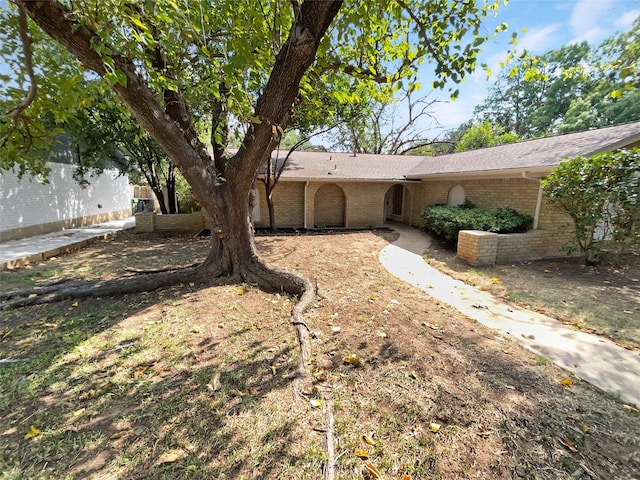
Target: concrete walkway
(15,253)
(594,359)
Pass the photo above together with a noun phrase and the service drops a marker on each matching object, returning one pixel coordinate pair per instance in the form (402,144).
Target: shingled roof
(536,155)
(539,155)
(347,166)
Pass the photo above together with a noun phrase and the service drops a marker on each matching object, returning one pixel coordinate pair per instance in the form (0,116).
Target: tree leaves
(602,196)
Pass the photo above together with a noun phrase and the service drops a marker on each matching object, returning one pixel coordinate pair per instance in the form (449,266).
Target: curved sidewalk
(594,359)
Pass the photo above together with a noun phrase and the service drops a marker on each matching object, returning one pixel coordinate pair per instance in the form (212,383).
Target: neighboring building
(29,207)
(325,189)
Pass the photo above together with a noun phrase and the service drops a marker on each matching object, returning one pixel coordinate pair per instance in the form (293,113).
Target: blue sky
(549,24)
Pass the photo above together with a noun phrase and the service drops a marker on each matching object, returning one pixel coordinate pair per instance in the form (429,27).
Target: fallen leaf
(431,325)
(406,477)
(315,402)
(495,280)
(371,469)
(140,371)
(274,370)
(74,304)
(33,432)
(567,382)
(214,384)
(352,359)
(381,334)
(434,427)
(585,428)
(240,291)
(362,454)
(412,374)
(546,270)
(171,456)
(631,409)
(368,440)
(336,329)
(567,443)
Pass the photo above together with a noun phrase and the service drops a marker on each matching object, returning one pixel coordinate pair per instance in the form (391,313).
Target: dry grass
(604,300)
(190,383)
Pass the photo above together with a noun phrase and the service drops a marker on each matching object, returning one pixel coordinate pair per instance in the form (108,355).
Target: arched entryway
(394,203)
(329,206)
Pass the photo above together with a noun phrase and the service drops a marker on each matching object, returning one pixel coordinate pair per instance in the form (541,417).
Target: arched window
(456,196)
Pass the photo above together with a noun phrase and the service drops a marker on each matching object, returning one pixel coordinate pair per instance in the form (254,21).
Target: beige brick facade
(288,199)
(366,204)
(554,227)
(179,222)
(343,204)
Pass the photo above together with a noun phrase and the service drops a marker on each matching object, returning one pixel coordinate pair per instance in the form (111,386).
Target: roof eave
(502,173)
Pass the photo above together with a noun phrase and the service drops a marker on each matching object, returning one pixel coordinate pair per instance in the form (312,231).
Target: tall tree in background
(243,62)
(533,94)
(105,129)
(573,88)
(615,94)
(386,124)
(484,135)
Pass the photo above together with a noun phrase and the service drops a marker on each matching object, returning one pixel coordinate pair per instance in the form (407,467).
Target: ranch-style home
(327,189)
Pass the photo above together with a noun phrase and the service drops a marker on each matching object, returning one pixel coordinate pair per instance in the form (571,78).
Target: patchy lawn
(189,383)
(604,300)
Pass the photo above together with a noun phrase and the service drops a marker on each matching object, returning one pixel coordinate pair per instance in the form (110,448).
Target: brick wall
(28,207)
(518,193)
(477,248)
(288,198)
(554,226)
(179,222)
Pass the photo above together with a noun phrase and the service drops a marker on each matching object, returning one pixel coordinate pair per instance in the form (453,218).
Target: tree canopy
(575,87)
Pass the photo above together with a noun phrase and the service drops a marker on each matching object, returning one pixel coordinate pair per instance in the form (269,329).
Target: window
(456,196)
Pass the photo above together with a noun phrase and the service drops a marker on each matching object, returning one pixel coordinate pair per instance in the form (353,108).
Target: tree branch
(25,38)
(190,157)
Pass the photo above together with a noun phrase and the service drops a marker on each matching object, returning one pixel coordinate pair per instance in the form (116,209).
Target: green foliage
(445,222)
(602,196)
(575,87)
(484,135)
(218,54)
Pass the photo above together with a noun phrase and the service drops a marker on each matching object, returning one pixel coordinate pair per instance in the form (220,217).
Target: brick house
(327,189)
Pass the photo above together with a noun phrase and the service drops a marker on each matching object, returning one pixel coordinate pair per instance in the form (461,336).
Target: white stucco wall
(27,202)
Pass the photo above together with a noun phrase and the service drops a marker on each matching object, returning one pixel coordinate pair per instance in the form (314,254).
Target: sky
(549,24)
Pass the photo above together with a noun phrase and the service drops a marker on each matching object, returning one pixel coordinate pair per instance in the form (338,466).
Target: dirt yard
(195,383)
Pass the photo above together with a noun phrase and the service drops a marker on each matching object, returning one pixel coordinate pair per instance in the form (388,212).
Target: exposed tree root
(267,277)
(330,472)
(160,270)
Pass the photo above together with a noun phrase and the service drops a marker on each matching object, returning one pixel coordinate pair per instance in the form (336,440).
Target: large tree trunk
(222,186)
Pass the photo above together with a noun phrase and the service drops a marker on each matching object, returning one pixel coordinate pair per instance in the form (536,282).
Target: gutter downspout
(536,215)
(305,204)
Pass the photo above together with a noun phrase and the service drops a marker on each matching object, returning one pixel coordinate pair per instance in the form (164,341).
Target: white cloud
(626,20)
(592,36)
(589,20)
(539,40)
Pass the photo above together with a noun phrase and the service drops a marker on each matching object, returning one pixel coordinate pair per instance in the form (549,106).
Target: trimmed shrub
(445,222)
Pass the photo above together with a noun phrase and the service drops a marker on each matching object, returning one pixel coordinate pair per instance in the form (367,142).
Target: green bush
(445,222)
(601,194)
